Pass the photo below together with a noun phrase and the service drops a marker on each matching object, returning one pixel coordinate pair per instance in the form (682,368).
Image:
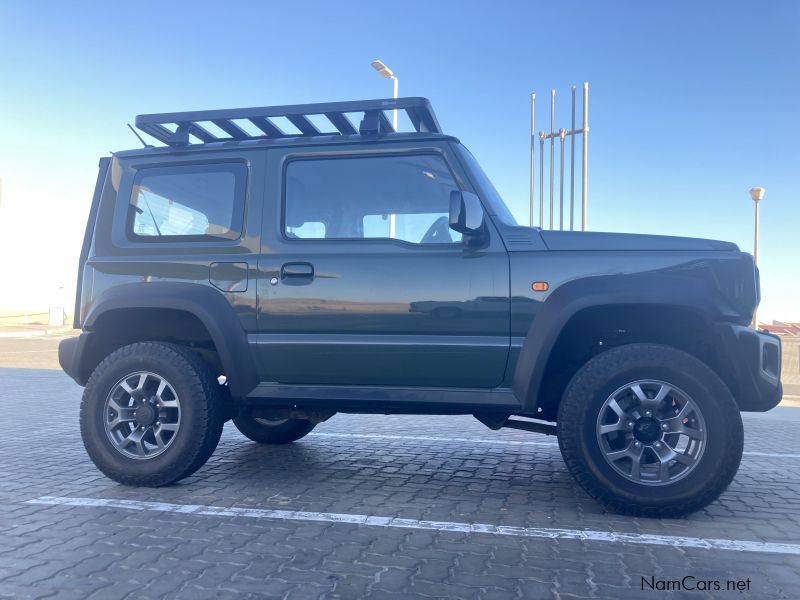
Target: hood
(583,240)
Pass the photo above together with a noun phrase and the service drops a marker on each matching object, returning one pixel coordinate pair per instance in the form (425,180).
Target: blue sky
(692,103)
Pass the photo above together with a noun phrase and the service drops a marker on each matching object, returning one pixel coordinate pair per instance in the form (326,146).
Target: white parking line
(424,438)
(471,528)
(771,455)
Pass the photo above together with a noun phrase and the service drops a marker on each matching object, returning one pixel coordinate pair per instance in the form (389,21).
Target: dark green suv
(244,271)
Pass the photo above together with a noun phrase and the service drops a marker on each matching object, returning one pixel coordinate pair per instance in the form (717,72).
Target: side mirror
(466,213)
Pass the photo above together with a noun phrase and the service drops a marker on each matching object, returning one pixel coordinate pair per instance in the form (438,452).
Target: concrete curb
(791,389)
(790,402)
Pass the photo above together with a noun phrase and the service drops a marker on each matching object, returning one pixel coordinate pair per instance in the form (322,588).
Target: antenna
(146,145)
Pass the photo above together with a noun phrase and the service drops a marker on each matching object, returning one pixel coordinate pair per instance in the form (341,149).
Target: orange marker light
(540,286)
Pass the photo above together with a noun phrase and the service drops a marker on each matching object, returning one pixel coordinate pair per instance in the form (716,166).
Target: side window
(195,202)
(377,197)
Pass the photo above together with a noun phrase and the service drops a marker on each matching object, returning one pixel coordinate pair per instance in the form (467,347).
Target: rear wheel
(151,414)
(272,430)
(650,430)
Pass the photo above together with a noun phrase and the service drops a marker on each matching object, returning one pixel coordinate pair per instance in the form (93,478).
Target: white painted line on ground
(424,438)
(771,455)
(375,521)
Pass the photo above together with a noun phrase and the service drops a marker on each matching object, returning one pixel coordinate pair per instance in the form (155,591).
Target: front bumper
(755,358)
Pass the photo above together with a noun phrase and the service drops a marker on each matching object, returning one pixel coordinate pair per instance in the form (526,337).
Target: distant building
(781,328)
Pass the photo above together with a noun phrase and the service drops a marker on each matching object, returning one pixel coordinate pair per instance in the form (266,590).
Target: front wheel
(649,430)
(271,430)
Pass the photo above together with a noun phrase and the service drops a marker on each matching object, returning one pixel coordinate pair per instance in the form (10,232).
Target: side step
(496,421)
(544,427)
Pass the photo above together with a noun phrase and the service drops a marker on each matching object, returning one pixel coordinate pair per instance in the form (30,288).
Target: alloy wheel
(651,432)
(142,415)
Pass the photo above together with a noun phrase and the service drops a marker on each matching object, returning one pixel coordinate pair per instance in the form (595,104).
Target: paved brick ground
(432,468)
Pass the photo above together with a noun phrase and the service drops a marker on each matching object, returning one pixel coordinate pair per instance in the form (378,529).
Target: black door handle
(297,270)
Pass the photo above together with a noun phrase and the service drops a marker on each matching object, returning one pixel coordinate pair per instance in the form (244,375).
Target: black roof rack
(175,129)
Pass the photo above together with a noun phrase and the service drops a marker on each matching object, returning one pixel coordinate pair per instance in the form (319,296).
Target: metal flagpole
(572,167)
(541,179)
(584,195)
(533,143)
(561,135)
(552,150)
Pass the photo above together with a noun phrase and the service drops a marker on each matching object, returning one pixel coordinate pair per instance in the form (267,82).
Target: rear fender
(205,303)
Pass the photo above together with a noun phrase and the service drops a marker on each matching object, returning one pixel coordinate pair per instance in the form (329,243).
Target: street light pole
(385,71)
(395,87)
(757,194)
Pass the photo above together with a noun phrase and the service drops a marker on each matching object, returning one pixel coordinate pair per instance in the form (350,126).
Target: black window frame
(240,174)
(349,155)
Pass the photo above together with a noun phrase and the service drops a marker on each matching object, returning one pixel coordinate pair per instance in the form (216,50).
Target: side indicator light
(540,286)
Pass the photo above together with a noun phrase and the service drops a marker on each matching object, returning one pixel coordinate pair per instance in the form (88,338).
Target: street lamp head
(382,69)
(757,193)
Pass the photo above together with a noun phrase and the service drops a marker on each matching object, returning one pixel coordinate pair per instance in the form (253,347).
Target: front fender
(650,289)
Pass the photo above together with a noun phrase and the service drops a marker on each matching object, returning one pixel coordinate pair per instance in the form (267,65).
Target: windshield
(485,187)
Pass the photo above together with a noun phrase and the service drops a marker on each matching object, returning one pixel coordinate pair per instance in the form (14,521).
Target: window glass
(308,230)
(198,201)
(400,197)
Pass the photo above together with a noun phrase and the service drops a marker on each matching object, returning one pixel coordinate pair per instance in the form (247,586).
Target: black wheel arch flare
(654,290)
(204,302)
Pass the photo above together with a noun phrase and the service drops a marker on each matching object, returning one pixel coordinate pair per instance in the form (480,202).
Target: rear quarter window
(187,203)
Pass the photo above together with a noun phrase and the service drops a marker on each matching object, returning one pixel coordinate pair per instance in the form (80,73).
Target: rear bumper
(70,353)
(755,357)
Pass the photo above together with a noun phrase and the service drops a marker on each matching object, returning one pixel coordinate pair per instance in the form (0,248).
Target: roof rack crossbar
(231,128)
(386,126)
(423,120)
(268,127)
(342,123)
(305,126)
(186,124)
(157,131)
(201,133)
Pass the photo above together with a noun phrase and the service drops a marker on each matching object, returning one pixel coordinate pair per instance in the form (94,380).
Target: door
(361,281)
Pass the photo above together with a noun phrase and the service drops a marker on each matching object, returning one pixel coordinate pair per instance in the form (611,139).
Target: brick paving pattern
(449,469)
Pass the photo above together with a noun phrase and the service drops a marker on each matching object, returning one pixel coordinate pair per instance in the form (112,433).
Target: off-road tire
(284,432)
(601,376)
(202,414)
